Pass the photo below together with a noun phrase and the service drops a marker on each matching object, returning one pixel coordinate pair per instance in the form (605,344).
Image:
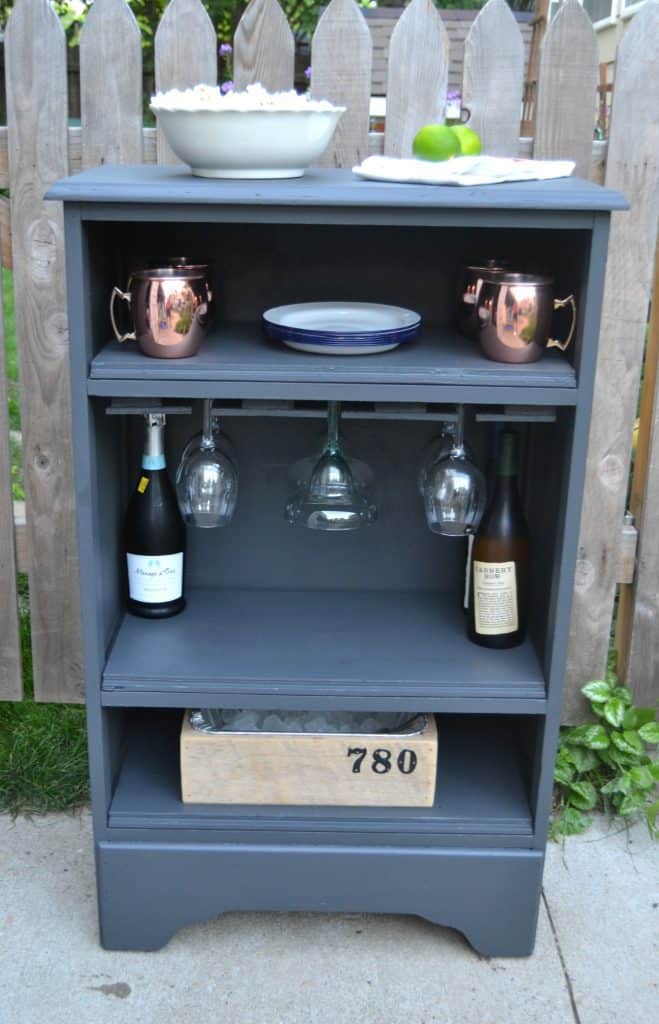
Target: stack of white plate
(341,328)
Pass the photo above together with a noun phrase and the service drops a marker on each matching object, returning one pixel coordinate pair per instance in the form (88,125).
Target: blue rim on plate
(347,324)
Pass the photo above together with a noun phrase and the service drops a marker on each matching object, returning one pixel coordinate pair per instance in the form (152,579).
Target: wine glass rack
(280,618)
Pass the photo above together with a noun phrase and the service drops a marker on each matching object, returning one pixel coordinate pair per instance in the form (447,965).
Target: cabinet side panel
(92,446)
(569,550)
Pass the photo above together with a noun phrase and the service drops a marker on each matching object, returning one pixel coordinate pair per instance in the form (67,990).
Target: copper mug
(170,308)
(471,282)
(514,314)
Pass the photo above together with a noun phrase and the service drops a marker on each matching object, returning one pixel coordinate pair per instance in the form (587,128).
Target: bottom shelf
(482,786)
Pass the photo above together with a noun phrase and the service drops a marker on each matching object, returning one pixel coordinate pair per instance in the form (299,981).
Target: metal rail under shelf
(413,411)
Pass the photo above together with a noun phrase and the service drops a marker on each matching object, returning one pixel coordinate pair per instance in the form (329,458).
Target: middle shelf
(237,361)
(355,649)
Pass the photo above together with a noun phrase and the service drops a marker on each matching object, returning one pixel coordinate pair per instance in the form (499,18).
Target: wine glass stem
(460,428)
(207,424)
(333,417)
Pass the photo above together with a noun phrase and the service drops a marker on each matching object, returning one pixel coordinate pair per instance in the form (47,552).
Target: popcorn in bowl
(250,134)
(255,97)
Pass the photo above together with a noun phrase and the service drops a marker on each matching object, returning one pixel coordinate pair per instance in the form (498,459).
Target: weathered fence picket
(567,89)
(111,85)
(264,48)
(185,47)
(35,61)
(341,55)
(633,168)
(638,608)
(493,80)
(11,680)
(417,76)
(639,481)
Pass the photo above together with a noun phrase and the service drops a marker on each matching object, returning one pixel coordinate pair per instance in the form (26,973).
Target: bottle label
(154,579)
(495,598)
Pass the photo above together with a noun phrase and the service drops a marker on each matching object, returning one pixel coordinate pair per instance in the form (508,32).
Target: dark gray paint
(141,387)
(256,266)
(475,861)
(335,644)
(481,788)
(495,703)
(239,352)
(149,890)
(149,183)
(570,519)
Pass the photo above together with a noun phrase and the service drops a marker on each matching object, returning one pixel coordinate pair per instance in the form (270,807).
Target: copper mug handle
(126,296)
(560,304)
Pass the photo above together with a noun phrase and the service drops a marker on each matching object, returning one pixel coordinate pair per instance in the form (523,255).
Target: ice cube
(243,721)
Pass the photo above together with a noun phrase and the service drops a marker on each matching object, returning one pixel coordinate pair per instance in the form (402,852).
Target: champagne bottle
(500,561)
(154,534)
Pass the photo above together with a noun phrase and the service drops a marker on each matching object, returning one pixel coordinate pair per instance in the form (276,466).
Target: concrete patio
(595,959)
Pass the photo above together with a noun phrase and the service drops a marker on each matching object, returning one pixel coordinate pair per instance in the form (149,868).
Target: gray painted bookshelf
(281,618)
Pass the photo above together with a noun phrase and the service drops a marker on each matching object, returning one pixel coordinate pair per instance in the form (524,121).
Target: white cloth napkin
(462,170)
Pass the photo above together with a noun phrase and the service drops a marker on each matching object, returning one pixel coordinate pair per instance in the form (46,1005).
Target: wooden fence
(37,147)
(381,22)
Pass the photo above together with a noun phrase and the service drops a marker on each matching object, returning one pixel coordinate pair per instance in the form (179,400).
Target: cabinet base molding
(147,891)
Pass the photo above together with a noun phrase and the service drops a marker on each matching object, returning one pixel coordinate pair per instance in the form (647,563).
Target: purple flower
(226,87)
(225,49)
(453,94)
(307,72)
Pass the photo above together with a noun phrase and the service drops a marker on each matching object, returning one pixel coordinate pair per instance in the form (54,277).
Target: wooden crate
(384,770)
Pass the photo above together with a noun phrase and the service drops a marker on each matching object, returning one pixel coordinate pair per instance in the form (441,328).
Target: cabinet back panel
(260,549)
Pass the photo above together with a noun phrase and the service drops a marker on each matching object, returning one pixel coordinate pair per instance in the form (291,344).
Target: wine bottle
(154,534)
(500,561)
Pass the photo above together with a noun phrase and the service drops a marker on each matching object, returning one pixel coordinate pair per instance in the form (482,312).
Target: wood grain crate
(331,769)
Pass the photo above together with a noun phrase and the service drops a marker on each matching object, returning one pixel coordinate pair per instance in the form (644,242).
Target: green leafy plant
(606,765)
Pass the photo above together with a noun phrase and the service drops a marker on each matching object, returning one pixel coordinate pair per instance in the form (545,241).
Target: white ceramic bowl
(248,143)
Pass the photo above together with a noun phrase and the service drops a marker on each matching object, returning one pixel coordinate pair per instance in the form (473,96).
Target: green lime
(468,140)
(435,142)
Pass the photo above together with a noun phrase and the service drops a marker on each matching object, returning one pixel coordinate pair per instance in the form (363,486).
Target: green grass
(17,488)
(43,747)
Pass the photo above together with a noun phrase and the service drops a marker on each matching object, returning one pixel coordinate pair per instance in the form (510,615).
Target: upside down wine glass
(206,479)
(454,489)
(435,450)
(332,493)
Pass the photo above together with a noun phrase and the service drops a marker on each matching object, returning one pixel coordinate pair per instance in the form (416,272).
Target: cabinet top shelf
(155,184)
